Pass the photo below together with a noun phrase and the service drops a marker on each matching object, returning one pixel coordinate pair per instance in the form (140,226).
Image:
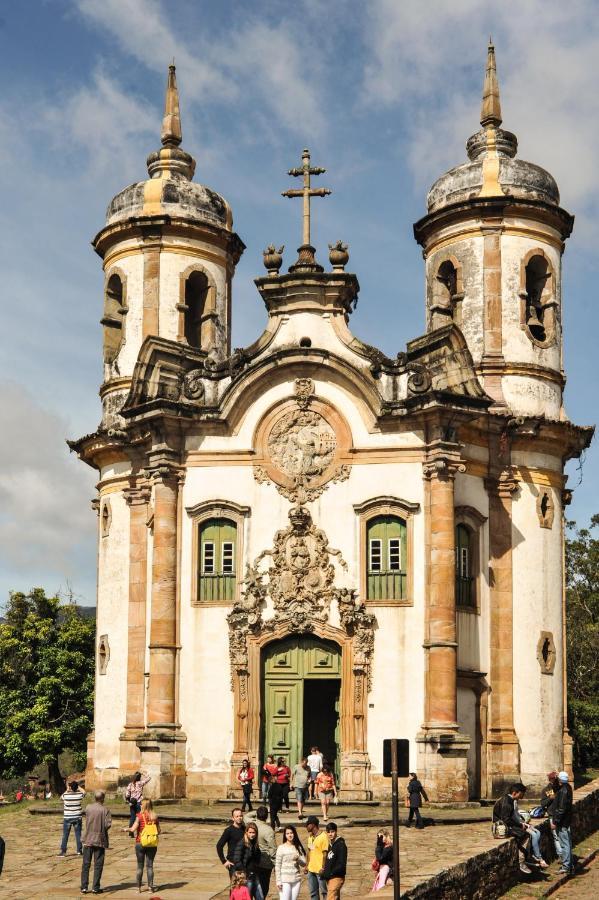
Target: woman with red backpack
(146,829)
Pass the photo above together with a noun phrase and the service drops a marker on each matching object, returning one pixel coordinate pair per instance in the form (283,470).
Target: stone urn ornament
(273,259)
(338,256)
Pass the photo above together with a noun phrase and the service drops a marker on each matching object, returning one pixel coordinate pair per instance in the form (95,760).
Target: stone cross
(306,251)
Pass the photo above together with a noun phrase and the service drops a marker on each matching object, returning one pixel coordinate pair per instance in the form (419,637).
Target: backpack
(149,835)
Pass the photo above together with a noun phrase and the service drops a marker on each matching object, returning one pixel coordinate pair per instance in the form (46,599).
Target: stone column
(137,500)
(502,741)
(151,285)
(162,745)
(442,750)
(492,360)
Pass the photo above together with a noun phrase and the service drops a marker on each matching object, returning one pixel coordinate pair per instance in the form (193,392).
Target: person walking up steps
(315,764)
(72,817)
(415,792)
(95,843)
(245,777)
(269,774)
(318,847)
(291,857)
(284,779)
(335,864)
(145,829)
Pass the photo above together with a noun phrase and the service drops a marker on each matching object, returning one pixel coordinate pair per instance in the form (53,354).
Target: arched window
(196,291)
(447,293)
(112,320)
(537,276)
(217,560)
(465,582)
(387,563)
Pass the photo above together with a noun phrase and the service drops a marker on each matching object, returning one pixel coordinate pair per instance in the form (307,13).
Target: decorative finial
(338,256)
(273,259)
(491,107)
(306,260)
(171,123)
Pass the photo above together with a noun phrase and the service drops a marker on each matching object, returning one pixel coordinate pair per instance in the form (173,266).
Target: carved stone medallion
(302,444)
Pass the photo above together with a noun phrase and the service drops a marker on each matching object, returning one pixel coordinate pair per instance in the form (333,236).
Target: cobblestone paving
(186,865)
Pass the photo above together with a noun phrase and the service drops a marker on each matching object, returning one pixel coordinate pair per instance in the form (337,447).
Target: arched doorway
(301,696)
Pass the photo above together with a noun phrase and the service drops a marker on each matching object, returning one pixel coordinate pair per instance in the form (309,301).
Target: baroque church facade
(305,541)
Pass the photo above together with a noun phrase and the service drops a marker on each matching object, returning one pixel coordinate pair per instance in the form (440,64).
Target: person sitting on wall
(506,811)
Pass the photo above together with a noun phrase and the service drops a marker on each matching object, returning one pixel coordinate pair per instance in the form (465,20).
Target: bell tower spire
(490,113)
(171,123)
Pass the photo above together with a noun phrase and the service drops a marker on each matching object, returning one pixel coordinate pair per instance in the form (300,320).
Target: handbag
(406,802)
(375,865)
(499,829)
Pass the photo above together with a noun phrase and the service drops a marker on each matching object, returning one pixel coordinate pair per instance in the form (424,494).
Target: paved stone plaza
(186,864)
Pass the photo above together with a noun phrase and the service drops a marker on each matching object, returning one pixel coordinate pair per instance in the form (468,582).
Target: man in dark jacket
(230,837)
(335,863)
(95,843)
(506,811)
(560,813)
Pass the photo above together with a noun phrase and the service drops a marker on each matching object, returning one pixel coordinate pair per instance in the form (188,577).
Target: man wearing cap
(560,813)
(335,863)
(318,846)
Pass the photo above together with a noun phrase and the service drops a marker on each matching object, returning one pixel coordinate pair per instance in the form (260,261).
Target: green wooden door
(287,666)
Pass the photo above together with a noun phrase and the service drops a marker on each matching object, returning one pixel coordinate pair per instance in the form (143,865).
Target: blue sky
(385,94)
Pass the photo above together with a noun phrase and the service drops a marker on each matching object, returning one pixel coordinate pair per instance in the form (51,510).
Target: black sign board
(403,757)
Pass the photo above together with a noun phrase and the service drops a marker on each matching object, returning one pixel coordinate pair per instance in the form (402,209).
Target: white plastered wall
(112,620)
(537,599)
(172,265)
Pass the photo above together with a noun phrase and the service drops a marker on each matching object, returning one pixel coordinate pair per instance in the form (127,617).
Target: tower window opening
(196,292)
(445,292)
(112,320)
(537,275)
(544,505)
(546,650)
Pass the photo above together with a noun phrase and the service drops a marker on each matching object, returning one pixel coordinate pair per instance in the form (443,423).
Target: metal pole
(395,817)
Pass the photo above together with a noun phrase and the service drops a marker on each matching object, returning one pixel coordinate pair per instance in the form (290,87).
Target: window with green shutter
(464,580)
(387,558)
(217,559)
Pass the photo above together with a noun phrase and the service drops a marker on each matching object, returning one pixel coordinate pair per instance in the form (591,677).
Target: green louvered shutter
(387,551)
(217,560)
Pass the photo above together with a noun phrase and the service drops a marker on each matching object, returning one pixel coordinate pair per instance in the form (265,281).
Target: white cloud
(45,518)
(260,66)
(421,57)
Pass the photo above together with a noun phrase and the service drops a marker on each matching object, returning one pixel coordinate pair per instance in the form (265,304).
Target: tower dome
(169,190)
(492,167)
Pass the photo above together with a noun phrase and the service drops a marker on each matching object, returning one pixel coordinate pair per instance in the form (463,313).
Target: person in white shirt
(289,862)
(315,763)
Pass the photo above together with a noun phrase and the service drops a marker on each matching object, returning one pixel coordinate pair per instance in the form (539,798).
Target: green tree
(582,579)
(46,683)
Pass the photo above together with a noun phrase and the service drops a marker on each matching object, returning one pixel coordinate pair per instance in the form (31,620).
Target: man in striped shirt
(73,812)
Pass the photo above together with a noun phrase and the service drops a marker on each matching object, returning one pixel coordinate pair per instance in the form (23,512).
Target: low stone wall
(490,874)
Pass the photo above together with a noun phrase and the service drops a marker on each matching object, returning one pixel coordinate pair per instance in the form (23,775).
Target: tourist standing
(318,847)
(230,837)
(290,859)
(335,864)
(95,843)
(246,858)
(315,763)
(145,829)
(134,794)
(325,787)
(267,844)
(284,779)
(383,859)
(269,774)
(245,777)
(415,793)
(560,813)
(72,817)
(301,781)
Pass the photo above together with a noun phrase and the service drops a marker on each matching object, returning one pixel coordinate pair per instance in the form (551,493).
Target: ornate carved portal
(296,594)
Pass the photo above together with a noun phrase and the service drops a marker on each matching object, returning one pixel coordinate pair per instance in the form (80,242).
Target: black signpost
(396,763)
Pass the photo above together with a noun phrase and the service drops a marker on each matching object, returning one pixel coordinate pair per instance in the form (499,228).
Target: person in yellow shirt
(318,845)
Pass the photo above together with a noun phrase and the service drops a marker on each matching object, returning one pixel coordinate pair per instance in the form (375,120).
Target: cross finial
(306,259)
